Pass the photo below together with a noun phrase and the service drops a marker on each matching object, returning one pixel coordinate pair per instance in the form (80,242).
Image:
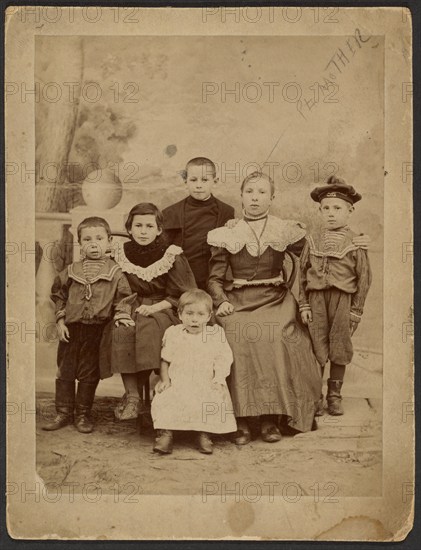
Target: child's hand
(145,310)
(219,388)
(162,385)
(63,331)
(353,326)
(125,322)
(362,241)
(232,223)
(226,308)
(306,316)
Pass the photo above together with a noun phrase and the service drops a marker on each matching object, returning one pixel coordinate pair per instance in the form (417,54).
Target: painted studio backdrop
(117,118)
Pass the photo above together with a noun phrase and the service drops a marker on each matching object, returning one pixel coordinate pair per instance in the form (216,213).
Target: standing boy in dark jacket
(188,221)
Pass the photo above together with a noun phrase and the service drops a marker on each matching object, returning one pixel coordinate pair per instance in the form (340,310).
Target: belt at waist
(255,282)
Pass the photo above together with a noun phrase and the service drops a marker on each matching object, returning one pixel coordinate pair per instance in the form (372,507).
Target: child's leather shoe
(164,442)
(242,436)
(63,418)
(84,424)
(205,443)
(270,433)
(128,408)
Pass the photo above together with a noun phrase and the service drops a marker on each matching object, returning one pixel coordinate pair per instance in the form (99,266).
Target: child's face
(335,212)
(200,181)
(94,242)
(257,196)
(194,317)
(144,229)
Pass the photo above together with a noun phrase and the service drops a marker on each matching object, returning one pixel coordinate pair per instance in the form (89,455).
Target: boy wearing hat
(335,277)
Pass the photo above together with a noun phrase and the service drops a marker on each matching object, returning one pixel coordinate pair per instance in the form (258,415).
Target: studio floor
(343,457)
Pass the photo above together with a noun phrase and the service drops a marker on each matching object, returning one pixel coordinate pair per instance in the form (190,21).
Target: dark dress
(275,371)
(164,275)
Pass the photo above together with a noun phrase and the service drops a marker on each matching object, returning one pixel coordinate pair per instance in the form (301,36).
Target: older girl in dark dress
(275,371)
(158,274)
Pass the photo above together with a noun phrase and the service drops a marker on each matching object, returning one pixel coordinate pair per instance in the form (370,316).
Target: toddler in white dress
(192,393)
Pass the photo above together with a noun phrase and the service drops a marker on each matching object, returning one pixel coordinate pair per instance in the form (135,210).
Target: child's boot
(205,443)
(65,404)
(84,400)
(334,398)
(163,442)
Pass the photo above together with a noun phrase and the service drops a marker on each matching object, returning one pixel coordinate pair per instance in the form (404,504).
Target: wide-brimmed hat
(335,188)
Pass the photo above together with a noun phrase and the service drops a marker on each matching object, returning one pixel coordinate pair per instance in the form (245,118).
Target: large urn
(102,189)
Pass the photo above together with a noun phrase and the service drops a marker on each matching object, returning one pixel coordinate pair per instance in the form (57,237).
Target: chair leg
(143,384)
(147,393)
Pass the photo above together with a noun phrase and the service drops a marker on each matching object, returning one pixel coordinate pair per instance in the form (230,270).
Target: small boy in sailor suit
(84,294)
(335,277)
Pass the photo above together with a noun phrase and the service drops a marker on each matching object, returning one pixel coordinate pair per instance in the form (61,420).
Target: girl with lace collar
(158,274)
(275,371)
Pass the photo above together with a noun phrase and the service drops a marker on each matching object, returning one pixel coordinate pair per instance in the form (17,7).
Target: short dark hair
(144,209)
(200,161)
(93,221)
(194,296)
(256,176)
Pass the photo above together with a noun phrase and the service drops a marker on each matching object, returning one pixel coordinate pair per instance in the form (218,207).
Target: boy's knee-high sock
(337,372)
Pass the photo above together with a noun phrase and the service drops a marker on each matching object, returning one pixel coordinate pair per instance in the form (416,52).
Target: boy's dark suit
(187,223)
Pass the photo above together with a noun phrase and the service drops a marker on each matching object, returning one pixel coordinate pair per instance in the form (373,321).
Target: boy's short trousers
(330,329)
(79,358)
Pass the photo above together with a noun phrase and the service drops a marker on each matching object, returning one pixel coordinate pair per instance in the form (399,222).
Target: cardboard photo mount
(385,517)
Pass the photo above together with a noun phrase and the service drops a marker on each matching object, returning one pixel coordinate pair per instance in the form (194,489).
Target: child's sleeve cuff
(355,317)
(60,314)
(220,300)
(119,316)
(304,307)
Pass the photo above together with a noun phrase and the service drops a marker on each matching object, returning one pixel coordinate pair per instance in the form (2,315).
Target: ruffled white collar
(278,234)
(160,267)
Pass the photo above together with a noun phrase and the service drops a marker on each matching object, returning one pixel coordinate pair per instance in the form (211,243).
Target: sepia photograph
(202,314)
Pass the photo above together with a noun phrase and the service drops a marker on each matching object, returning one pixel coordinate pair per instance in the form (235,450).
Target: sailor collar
(106,273)
(331,243)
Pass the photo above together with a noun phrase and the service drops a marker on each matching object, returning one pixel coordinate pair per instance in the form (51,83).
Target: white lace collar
(160,267)
(278,234)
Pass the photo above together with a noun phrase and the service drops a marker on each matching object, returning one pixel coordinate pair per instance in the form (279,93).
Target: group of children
(148,309)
